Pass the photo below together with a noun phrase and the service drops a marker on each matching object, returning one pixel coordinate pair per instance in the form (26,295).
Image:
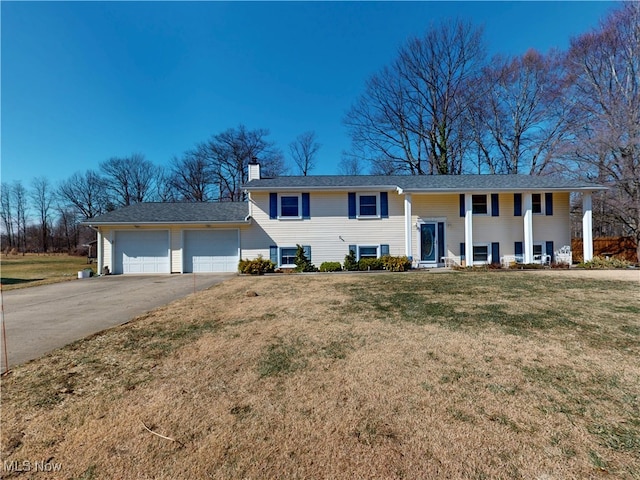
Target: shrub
(330,267)
(350,262)
(370,264)
(601,263)
(257,266)
(396,264)
(303,264)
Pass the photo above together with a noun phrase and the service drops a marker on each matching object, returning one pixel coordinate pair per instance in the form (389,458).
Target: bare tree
(192,177)
(87,193)
(19,194)
(229,154)
(303,151)
(605,76)
(350,164)
(42,196)
(7,213)
(520,120)
(130,179)
(413,113)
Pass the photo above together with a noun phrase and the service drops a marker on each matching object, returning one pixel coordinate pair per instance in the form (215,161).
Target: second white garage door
(211,251)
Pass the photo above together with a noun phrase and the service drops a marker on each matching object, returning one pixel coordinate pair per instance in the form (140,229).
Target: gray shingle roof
(225,212)
(424,183)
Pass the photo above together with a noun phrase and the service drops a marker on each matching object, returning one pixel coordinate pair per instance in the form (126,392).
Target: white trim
(527,246)
(587,227)
(287,265)
(408,235)
(99,252)
(287,217)
(487,202)
(367,194)
(468,229)
(489,259)
(358,247)
(434,220)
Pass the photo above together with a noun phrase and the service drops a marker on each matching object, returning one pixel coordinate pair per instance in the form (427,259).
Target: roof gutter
(247,220)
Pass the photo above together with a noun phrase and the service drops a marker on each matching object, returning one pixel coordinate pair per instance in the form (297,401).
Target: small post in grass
(4,333)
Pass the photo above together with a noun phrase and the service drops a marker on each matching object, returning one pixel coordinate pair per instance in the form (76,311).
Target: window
(290,206)
(479,204)
(481,254)
(288,256)
(536,203)
(537,249)
(367,252)
(368,205)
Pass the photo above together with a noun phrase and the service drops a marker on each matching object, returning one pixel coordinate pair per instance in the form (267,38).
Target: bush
(396,264)
(330,267)
(303,264)
(370,264)
(602,263)
(257,266)
(350,262)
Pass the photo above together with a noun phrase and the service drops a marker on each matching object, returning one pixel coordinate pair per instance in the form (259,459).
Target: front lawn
(415,375)
(30,270)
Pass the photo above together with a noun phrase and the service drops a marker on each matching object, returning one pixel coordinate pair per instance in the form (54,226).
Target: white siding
(444,208)
(176,249)
(329,231)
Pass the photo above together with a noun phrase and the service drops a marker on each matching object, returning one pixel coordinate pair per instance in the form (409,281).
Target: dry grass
(19,271)
(419,375)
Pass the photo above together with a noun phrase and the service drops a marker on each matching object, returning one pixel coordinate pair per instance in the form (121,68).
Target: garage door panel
(142,252)
(211,251)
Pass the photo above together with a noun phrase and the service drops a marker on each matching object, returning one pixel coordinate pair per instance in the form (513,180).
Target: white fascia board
(500,190)
(248,219)
(298,189)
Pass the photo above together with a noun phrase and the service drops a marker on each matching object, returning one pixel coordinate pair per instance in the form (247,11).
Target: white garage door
(142,251)
(210,251)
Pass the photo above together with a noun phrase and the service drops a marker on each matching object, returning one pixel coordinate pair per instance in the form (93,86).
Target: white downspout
(99,248)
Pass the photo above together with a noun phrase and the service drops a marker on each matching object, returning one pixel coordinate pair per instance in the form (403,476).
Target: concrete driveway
(41,319)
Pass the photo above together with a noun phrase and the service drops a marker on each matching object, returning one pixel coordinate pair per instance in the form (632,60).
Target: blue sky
(86,81)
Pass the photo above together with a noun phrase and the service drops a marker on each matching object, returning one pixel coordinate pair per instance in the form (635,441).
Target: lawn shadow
(18,281)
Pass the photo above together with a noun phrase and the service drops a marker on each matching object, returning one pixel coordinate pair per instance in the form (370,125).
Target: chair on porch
(564,255)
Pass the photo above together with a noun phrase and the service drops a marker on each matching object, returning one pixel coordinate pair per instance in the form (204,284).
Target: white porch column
(468,229)
(99,253)
(408,230)
(587,227)
(528,228)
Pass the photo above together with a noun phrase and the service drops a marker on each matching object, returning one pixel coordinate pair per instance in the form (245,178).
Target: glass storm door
(428,242)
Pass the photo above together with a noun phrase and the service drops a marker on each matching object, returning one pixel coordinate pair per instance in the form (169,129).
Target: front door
(428,242)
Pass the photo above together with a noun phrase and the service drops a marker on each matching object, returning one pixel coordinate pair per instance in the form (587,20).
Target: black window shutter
(495,252)
(273,205)
(384,205)
(384,250)
(462,207)
(495,205)
(518,248)
(548,203)
(517,204)
(549,249)
(462,247)
(273,254)
(440,240)
(354,249)
(306,207)
(352,205)
(307,251)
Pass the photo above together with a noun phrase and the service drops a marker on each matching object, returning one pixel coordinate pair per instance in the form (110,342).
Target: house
(434,220)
